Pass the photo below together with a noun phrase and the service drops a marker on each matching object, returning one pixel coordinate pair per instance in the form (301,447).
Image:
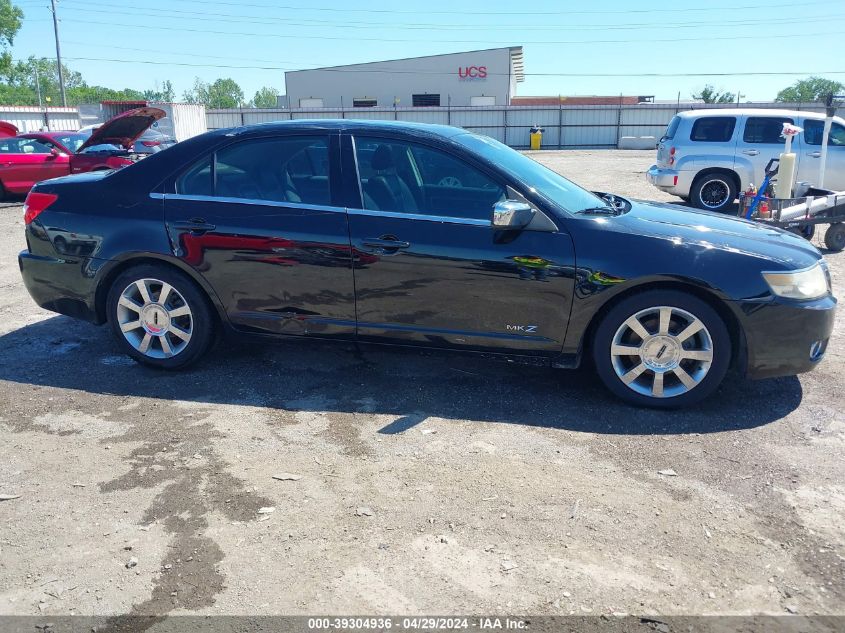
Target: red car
(26,159)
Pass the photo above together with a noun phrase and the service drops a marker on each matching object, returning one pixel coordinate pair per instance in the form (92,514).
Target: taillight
(35,203)
(672,156)
(150,143)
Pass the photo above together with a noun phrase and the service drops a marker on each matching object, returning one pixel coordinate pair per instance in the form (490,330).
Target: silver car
(709,156)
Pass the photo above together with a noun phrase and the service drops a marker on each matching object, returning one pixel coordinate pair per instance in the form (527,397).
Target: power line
(208,16)
(791,5)
(340,70)
(431,41)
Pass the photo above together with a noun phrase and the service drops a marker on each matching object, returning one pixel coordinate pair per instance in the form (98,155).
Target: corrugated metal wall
(565,126)
(32,119)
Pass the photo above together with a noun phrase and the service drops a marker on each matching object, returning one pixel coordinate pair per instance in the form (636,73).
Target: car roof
(692,114)
(428,129)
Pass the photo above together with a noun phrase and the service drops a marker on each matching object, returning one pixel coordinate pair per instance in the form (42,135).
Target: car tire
(160,317)
(834,238)
(714,192)
(662,363)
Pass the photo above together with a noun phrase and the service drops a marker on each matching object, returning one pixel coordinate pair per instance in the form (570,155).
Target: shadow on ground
(411,385)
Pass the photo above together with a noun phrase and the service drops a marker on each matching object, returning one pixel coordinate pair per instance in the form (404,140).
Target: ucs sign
(473,72)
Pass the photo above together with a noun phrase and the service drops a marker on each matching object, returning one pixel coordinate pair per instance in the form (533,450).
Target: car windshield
(542,180)
(72,141)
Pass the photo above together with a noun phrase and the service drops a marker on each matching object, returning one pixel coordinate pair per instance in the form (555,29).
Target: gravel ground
(423,483)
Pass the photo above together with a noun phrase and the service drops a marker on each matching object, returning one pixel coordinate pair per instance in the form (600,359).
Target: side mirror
(55,152)
(512,214)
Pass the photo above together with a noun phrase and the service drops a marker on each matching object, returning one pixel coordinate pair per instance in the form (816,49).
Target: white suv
(708,156)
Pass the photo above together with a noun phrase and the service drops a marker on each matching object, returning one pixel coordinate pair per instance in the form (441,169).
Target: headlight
(810,283)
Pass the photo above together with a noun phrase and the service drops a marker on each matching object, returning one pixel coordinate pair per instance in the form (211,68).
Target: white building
(477,78)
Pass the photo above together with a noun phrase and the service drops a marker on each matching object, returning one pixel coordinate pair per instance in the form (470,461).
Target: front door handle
(750,152)
(386,243)
(816,154)
(194,226)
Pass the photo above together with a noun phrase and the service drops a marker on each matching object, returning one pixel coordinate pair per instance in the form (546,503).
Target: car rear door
(760,141)
(431,270)
(277,255)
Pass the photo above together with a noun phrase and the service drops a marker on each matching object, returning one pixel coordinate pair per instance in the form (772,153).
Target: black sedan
(382,232)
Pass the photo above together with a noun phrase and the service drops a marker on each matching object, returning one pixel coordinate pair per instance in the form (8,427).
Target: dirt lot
(425,484)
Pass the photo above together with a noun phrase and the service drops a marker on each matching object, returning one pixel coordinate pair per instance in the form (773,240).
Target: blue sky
(259,39)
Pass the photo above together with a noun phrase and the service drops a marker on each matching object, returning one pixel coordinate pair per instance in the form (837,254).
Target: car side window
(713,129)
(765,129)
(408,177)
(271,169)
(814,129)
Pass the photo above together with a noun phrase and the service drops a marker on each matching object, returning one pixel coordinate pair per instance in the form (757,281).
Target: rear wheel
(714,192)
(160,317)
(662,348)
(834,238)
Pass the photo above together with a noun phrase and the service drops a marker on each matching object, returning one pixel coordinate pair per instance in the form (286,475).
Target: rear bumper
(59,285)
(671,181)
(785,338)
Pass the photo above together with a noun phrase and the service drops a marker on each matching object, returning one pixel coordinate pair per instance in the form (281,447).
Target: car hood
(7,129)
(702,229)
(124,129)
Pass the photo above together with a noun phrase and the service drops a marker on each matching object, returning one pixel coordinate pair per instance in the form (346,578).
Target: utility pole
(58,53)
(37,84)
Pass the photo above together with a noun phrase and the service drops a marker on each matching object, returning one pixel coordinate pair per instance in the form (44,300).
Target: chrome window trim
(316,207)
(420,216)
(263,203)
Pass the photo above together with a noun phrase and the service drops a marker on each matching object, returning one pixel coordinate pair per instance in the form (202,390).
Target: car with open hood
(421,235)
(26,159)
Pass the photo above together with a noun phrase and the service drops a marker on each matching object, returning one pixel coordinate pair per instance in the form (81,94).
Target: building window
(364,102)
(311,103)
(425,101)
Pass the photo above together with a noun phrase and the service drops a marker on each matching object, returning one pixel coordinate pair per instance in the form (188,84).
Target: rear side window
(292,169)
(713,129)
(813,131)
(764,129)
(671,128)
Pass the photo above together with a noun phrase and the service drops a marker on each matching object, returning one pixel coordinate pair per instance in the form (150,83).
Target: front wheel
(160,317)
(713,192)
(662,349)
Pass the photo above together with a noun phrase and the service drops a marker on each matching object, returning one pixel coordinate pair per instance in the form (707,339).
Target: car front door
(834,173)
(275,250)
(26,161)
(761,140)
(430,268)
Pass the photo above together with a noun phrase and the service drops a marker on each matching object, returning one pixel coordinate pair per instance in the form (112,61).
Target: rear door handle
(387,243)
(194,226)
(750,152)
(816,154)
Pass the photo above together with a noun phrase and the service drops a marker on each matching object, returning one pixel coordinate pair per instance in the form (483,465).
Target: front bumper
(61,285)
(785,337)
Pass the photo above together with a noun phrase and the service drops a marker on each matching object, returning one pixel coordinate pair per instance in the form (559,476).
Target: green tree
(810,89)
(222,93)
(265,98)
(197,94)
(709,94)
(163,93)
(10,23)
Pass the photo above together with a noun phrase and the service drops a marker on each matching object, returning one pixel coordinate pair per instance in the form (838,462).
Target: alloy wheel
(714,194)
(155,318)
(662,352)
